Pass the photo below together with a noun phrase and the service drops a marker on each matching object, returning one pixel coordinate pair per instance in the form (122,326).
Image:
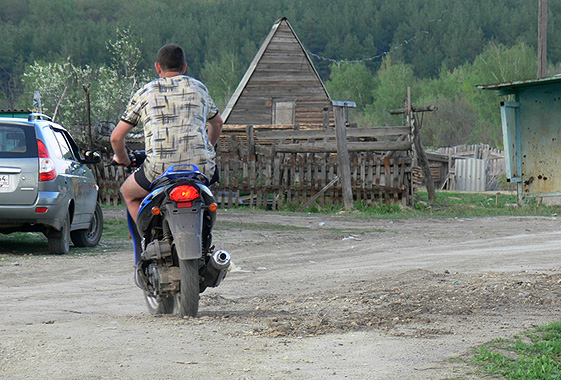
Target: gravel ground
(308,297)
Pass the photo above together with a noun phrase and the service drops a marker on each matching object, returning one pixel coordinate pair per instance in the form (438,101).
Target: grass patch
(446,205)
(115,229)
(35,243)
(536,355)
(23,243)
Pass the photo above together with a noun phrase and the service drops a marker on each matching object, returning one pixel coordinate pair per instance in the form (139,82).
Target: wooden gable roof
(280,72)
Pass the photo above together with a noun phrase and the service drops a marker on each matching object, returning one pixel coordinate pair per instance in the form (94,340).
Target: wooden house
(281,86)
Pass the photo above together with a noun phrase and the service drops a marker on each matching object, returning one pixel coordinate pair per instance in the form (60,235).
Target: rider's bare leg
(133,194)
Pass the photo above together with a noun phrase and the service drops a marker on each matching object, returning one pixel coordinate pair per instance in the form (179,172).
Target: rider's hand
(122,161)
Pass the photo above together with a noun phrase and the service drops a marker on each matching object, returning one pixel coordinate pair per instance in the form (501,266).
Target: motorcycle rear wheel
(166,305)
(189,296)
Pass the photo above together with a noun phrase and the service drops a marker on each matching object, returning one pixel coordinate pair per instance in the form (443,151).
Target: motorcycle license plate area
(186,227)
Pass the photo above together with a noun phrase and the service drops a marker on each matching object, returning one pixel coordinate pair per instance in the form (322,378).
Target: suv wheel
(59,241)
(91,236)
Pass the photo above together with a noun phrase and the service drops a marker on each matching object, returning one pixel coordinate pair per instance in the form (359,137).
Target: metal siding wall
(471,174)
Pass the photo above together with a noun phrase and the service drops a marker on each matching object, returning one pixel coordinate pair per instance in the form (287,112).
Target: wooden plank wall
(273,169)
(283,72)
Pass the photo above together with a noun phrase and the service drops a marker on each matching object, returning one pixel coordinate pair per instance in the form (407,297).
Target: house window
(284,111)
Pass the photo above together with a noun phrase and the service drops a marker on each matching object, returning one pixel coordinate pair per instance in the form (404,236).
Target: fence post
(343,157)
(250,142)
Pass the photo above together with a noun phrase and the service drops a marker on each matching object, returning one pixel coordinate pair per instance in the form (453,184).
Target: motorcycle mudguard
(186,227)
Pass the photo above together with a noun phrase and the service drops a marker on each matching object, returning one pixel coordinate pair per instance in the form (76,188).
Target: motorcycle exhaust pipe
(220,259)
(216,269)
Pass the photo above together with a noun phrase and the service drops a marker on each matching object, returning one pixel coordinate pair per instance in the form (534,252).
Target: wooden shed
(281,86)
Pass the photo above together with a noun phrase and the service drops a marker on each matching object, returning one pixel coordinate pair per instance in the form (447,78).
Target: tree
(351,81)
(390,92)
(452,124)
(497,64)
(61,85)
(222,77)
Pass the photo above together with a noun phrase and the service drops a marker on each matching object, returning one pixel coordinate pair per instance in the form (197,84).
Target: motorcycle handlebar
(136,157)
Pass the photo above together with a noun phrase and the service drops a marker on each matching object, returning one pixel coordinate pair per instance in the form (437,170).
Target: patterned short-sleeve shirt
(174,112)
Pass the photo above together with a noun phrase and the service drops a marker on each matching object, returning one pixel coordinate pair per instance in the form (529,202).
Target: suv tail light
(46,165)
(184,193)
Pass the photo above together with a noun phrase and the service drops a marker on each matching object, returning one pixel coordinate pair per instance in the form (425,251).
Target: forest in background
(366,51)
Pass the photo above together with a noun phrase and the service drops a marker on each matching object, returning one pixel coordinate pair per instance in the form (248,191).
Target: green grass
(536,355)
(446,205)
(115,229)
(35,243)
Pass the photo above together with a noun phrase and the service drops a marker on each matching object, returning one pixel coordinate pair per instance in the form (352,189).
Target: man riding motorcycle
(174,257)
(174,111)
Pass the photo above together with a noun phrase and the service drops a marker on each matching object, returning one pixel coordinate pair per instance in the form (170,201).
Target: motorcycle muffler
(216,268)
(220,259)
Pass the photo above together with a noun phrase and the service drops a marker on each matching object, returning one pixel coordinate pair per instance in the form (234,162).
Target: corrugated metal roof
(514,86)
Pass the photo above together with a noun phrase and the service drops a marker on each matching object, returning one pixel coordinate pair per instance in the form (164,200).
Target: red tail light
(46,165)
(184,193)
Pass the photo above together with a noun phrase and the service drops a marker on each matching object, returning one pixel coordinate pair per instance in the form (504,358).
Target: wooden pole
(343,157)
(88,110)
(325,188)
(542,39)
(419,148)
(250,142)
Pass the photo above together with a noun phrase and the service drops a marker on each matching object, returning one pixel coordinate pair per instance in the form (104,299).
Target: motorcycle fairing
(155,198)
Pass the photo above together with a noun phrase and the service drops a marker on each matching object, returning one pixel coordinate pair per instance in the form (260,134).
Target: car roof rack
(38,116)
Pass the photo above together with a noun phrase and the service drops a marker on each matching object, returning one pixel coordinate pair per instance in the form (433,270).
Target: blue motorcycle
(174,256)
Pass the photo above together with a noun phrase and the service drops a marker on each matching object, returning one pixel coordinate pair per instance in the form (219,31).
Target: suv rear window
(17,141)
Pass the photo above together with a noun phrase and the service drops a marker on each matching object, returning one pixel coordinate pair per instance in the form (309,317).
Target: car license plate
(4,180)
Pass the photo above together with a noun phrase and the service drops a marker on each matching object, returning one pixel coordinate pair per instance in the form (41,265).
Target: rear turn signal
(46,165)
(213,207)
(184,193)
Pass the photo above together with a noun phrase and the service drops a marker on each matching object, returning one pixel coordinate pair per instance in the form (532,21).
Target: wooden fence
(265,168)
(294,178)
(443,164)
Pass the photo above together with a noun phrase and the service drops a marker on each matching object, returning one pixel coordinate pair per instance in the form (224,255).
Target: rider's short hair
(171,57)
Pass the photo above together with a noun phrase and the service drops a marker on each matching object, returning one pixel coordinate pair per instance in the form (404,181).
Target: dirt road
(310,297)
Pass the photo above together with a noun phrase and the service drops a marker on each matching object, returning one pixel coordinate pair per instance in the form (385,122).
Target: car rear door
(19,164)
(83,189)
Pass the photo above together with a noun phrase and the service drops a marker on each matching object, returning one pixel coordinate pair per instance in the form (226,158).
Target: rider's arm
(118,142)
(214,129)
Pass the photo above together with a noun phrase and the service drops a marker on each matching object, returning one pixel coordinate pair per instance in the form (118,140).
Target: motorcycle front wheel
(189,296)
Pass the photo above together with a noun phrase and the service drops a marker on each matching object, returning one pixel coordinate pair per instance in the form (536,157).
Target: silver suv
(45,185)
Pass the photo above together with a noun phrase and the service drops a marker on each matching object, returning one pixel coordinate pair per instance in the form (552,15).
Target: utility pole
(415,126)
(542,39)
